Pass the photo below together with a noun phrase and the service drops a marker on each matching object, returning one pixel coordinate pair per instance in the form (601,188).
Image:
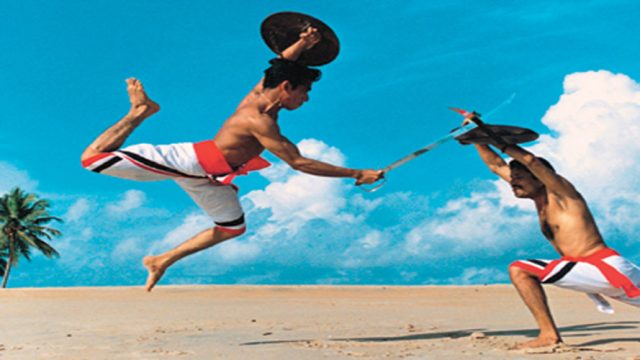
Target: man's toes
(134,82)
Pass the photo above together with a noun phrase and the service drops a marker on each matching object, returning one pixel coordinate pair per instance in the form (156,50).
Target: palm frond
(46,219)
(47,231)
(38,234)
(13,203)
(46,249)
(24,237)
(4,255)
(24,250)
(3,265)
(4,242)
(4,210)
(30,214)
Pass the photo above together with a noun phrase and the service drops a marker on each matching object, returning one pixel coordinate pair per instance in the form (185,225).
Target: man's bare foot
(141,106)
(538,342)
(155,269)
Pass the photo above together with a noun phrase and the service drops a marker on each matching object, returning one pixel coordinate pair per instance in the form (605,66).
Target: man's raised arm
(308,39)
(269,136)
(494,162)
(551,180)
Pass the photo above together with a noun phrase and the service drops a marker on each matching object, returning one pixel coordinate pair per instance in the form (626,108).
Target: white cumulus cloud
(77,210)
(128,250)
(294,197)
(11,176)
(478,223)
(131,200)
(595,127)
(238,251)
(190,226)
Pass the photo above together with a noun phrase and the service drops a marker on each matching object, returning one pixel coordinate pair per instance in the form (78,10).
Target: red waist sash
(615,277)
(213,162)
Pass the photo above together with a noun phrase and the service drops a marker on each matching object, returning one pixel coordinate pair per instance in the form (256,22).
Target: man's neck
(271,102)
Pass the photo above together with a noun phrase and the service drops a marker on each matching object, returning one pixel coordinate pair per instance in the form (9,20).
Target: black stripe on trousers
(537,262)
(107,164)
(560,274)
(157,166)
(236,222)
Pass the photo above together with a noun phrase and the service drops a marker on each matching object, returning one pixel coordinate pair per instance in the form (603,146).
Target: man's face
(524,184)
(294,98)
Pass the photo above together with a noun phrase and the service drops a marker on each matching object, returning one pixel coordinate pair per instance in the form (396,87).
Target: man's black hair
(282,69)
(515,164)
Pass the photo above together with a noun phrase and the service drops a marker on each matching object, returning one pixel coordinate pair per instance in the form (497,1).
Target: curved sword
(452,135)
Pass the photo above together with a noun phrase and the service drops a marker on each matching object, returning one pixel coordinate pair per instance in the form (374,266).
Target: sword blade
(452,135)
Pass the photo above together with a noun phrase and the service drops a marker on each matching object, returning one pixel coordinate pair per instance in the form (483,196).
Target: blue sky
(441,219)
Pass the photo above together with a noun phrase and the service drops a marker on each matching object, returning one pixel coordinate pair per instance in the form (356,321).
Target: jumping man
(205,169)
(587,264)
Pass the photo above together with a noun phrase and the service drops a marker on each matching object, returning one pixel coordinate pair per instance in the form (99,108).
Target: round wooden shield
(282,29)
(509,134)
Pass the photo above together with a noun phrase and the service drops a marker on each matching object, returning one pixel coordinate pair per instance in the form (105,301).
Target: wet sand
(302,322)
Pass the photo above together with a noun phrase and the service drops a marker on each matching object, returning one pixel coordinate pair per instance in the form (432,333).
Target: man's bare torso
(235,138)
(568,224)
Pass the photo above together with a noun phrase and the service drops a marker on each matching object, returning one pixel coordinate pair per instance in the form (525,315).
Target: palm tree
(22,220)
(3,262)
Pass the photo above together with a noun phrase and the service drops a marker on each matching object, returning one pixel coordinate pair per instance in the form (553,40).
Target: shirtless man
(205,169)
(587,264)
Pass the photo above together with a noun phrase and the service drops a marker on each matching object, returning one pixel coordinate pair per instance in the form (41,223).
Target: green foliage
(4,254)
(23,220)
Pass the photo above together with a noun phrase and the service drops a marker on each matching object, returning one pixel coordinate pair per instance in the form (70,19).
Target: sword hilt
(500,143)
(380,183)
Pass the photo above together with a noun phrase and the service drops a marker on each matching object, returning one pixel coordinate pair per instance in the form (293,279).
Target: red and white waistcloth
(199,168)
(604,272)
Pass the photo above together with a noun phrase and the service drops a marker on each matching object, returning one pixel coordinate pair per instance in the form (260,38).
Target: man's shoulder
(568,188)
(250,114)
(567,194)
(253,119)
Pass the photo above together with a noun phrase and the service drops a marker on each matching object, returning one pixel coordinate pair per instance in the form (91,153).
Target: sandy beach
(302,322)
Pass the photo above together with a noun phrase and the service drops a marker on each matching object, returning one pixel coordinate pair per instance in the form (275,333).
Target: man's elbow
(499,169)
(529,160)
(298,164)
(495,169)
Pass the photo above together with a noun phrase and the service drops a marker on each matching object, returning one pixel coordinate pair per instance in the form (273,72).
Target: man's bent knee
(230,233)
(518,274)
(89,153)
(94,160)
(231,229)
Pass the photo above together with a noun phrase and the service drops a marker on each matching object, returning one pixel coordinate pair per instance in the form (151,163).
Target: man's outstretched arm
(269,136)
